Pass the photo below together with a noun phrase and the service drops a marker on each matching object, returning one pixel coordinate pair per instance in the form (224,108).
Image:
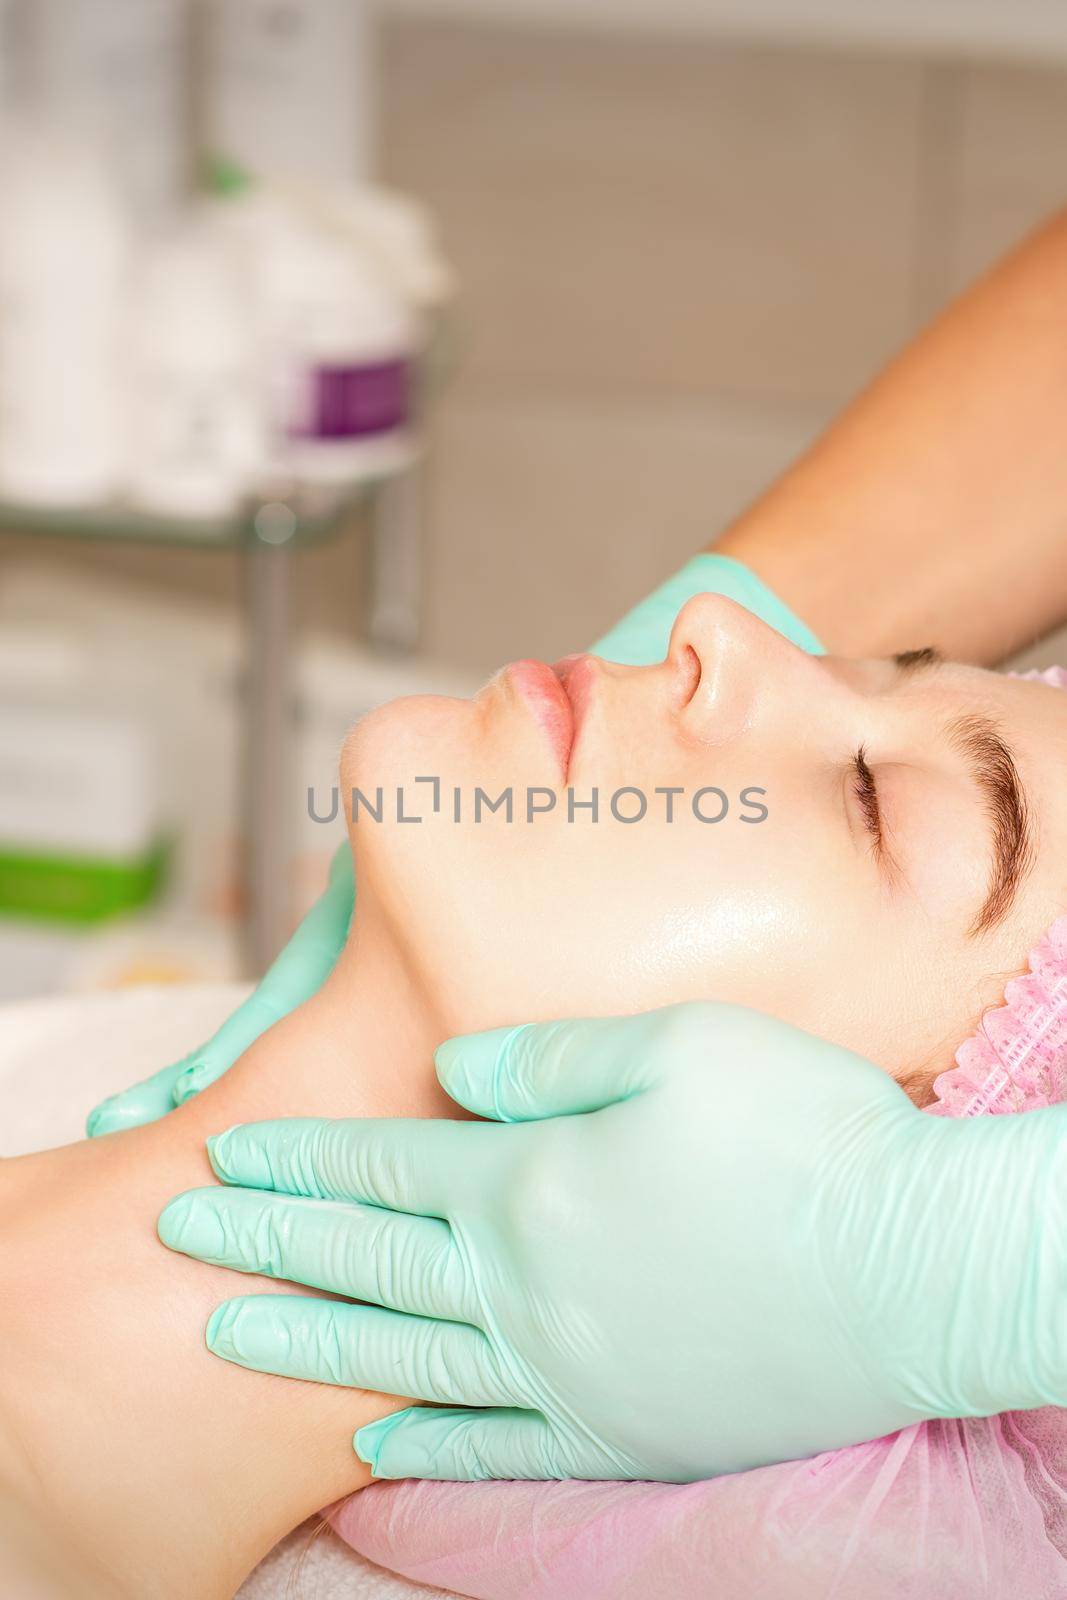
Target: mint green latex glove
(641,638)
(705,1241)
(306,962)
(300,970)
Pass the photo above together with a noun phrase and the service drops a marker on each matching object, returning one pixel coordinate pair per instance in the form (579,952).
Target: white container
(396,233)
(115,70)
(63,261)
(338,342)
(348,412)
(78,783)
(196,438)
(83,806)
(287,87)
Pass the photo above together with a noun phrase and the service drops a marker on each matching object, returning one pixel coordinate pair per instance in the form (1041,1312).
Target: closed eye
(866,792)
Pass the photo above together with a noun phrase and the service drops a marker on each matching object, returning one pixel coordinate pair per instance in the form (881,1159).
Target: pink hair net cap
(952,1510)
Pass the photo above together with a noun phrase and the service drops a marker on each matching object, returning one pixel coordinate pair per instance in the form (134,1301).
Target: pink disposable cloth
(971,1510)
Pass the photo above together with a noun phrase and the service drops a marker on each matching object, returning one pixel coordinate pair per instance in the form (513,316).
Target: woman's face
(885,857)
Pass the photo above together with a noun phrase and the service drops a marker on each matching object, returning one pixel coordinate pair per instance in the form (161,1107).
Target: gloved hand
(306,962)
(729,1243)
(300,970)
(640,639)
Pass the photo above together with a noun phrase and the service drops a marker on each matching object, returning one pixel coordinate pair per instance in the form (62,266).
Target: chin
(436,886)
(408,868)
(402,740)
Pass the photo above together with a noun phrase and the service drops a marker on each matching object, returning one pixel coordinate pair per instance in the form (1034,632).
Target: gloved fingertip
(121,1111)
(219,1146)
(367,1441)
(101,1119)
(170,1224)
(190,1082)
(248,1332)
(467,1067)
(218,1333)
(448,1057)
(190,1225)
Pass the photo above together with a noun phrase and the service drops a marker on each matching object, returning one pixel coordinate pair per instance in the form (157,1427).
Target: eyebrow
(994,770)
(916,660)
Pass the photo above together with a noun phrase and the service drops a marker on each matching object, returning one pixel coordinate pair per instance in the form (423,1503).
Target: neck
(123,1435)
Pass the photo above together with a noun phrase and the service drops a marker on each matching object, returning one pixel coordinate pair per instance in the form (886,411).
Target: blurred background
(349,350)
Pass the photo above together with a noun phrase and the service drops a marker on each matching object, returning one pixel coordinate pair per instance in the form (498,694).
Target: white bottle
(116,70)
(195,439)
(338,342)
(287,87)
(63,261)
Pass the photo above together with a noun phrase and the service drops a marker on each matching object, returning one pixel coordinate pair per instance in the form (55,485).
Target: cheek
(604,918)
(895,994)
(506,922)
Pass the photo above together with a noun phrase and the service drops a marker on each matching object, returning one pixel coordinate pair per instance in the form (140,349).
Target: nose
(731,668)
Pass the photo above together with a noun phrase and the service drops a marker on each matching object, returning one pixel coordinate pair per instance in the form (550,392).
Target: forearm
(933,510)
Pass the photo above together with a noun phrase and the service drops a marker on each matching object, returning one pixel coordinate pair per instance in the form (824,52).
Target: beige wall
(677,258)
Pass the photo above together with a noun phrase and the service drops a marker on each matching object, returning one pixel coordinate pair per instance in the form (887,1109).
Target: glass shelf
(293,519)
(282,514)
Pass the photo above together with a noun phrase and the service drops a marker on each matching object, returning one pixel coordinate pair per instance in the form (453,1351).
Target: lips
(557,696)
(577,674)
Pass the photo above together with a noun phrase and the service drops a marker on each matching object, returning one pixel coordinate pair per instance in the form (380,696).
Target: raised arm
(934,509)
